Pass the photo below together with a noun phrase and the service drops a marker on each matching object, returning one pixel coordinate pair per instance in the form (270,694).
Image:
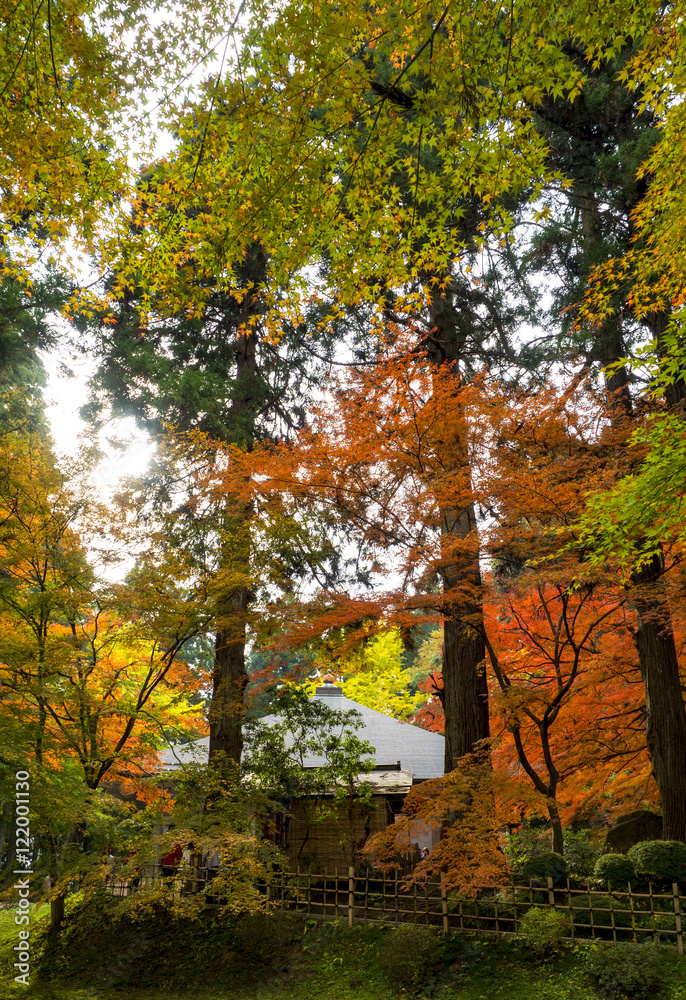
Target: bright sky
(64,397)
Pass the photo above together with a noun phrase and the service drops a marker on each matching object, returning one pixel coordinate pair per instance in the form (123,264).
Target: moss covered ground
(103,954)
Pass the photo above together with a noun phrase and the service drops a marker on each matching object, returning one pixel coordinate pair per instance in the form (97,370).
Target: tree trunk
(229,677)
(56,912)
(657,656)
(610,349)
(464,670)
(464,674)
(56,902)
(666,715)
(556,826)
(229,680)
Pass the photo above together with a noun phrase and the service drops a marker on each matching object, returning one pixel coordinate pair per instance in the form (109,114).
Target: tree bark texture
(657,656)
(56,912)
(464,672)
(229,677)
(229,680)
(666,714)
(464,666)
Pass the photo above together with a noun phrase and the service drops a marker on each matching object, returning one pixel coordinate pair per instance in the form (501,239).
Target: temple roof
(399,745)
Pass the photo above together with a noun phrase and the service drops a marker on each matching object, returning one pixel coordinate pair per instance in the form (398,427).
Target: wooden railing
(371,897)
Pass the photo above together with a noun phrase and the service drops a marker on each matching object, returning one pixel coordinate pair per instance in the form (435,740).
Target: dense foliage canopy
(400,294)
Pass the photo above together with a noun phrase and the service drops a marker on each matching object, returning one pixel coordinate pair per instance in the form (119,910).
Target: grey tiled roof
(416,749)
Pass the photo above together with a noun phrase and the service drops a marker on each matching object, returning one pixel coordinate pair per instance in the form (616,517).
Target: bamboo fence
(495,910)
(388,898)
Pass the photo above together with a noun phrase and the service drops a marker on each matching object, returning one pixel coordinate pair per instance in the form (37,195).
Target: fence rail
(370,897)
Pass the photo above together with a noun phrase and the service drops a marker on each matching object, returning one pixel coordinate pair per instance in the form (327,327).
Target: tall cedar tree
(214,372)
(600,140)
(466,320)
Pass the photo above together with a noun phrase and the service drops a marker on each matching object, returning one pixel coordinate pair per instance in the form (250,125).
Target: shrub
(543,929)
(625,970)
(408,955)
(617,869)
(660,860)
(581,850)
(528,842)
(545,866)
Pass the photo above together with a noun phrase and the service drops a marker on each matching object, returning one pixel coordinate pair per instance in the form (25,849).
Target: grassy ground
(102,956)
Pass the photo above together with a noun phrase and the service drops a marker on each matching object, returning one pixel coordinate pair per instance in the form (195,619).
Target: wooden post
(269,884)
(495,907)
(426,902)
(612,912)
(631,906)
(590,908)
(514,906)
(444,907)
(677,919)
(656,939)
(366,897)
(396,896)
(570,908)
(551,894)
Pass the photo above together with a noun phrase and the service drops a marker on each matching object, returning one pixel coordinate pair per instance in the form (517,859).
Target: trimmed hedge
(545,866)
(617,869)
(660,860)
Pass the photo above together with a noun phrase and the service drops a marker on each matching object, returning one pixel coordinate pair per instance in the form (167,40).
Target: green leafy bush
(543,929)
(545,866)
(617,869)
(581,850)
(525,843)
(630,971)
(660,860)
(408,955)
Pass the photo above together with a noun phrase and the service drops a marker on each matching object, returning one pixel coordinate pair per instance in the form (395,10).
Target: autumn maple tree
(80,84)
(91,672)
(376,459)
(387,177)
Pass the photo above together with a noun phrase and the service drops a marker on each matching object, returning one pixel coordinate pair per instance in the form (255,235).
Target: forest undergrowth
(103,958)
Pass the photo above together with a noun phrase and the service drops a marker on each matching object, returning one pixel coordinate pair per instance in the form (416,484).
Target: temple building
(404,755)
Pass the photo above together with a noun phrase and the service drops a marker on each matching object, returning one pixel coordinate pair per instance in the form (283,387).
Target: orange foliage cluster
(398,444)
(462,802)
